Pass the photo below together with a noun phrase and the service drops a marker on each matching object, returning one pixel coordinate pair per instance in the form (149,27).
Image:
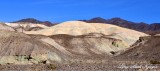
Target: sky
(65,10)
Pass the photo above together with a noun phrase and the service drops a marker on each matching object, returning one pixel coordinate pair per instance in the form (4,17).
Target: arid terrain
(76,46)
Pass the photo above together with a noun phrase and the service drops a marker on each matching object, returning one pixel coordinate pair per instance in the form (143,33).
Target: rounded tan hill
(3,26)
(18,48)
(81,28)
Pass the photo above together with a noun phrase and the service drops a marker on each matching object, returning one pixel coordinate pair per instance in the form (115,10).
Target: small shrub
(42,62)
(52,66)
(114,44)
(28,57)
(112,52)
(154,62)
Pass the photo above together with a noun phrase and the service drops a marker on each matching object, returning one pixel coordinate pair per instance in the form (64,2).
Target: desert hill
(81,28)
(90,45)
(19,48)
(83,47)
(3,26)
(65,42)
(75,44)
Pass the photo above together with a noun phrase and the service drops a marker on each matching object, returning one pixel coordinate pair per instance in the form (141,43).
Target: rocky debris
(105,66)
(30,67)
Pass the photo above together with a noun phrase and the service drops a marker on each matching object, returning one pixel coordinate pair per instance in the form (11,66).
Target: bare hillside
(146,48)
(3,26)
(18,48)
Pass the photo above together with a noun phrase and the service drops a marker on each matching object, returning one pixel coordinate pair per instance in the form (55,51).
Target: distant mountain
(48,23)
(32,20)
(142,27)
(97,20)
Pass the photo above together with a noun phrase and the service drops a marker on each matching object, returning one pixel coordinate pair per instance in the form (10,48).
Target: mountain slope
(32,20)
(90,44)
(21,27)
(83,47)
(18,48)
(142,27)
(146,48)
(3,26)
